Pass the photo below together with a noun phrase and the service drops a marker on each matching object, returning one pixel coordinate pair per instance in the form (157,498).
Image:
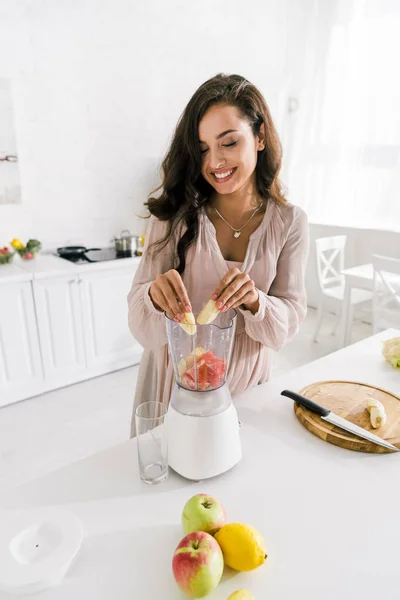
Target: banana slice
(208,314)
(199,351)
(189,324)
(182,367)
(377,412)
(190,359)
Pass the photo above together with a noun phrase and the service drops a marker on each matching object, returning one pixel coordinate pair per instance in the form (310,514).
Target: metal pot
(126,245)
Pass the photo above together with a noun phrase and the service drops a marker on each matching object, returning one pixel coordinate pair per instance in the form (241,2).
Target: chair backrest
(386,299)
(330,260)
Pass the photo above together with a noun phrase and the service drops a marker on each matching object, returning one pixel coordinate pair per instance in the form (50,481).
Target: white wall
(99,84)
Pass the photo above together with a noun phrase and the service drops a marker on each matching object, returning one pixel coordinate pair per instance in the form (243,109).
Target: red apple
(28,255)
(198,564)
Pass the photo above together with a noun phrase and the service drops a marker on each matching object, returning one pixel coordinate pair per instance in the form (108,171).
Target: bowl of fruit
(28,251)
(6,255)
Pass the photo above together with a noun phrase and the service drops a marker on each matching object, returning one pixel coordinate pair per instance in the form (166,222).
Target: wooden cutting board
(348,400)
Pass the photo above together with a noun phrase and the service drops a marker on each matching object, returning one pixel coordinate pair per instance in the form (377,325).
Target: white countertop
(48,265)
(330,517)
(11,273)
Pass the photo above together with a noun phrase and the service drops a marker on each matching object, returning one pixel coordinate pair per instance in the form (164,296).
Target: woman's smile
(223,176)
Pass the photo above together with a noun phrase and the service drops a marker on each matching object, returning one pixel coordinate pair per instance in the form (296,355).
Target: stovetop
(101,255)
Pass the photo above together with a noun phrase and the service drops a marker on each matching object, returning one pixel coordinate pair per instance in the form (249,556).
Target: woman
(221,229)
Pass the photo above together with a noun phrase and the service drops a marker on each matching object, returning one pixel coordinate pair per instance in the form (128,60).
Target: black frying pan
(73,252)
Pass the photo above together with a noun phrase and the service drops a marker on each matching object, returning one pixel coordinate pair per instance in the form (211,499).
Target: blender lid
(37,548)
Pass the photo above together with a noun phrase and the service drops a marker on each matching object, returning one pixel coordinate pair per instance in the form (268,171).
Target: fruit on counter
(5,255)
(203,513)
(210,372)
(17,244)
(391,351)
(241,595)
(242,546)
(197,564)
(208,314)
(189,323)
(29,251)
(377,412)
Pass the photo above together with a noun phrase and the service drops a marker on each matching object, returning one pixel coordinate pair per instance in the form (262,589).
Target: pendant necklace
(237,232)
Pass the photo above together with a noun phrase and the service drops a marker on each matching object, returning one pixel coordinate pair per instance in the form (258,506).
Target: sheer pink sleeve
(146,323)
(284,307)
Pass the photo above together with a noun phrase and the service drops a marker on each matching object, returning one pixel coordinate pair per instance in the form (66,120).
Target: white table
(361,277)
(330,517)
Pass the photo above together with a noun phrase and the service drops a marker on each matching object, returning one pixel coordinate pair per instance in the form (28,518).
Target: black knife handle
(303,401)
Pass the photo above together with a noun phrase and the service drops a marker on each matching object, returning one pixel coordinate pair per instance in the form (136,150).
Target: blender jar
(201,363)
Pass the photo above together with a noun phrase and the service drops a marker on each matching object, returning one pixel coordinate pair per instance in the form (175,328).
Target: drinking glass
(152,441)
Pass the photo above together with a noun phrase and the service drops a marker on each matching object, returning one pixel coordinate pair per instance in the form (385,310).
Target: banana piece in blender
(208,314)
(189,324)
(182,366)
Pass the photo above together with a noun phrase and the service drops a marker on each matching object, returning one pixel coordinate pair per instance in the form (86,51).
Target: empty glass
(152,441)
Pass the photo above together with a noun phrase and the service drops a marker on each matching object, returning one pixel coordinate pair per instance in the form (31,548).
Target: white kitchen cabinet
(108,342)
(62,323)
(59,317)
(21,373)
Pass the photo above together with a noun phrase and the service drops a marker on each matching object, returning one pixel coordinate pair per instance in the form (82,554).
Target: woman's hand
(169,295)
(236,289)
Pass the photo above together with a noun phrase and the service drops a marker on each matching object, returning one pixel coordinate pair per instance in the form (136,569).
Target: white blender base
(203,447)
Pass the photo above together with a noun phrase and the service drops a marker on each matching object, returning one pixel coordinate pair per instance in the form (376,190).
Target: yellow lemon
(241,595)
(17,244)
(242,546)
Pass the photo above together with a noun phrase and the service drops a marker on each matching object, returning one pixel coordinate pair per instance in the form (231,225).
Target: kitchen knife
(328,415)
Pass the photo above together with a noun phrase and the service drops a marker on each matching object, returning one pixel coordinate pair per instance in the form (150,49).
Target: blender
(202,423)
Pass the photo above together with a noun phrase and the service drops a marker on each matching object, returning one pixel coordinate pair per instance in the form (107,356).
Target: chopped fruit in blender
(210,372)
(189,378)
(208,314)
(189,323)
(182,366)
(215,369)
(190,359)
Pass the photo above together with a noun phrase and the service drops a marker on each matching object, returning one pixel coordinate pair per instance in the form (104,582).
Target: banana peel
(189,323)
(208,314)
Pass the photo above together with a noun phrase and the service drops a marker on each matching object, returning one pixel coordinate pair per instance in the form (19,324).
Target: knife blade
(330,417)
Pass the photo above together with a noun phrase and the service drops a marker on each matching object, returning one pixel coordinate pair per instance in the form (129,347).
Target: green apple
(203,513)
(198,564)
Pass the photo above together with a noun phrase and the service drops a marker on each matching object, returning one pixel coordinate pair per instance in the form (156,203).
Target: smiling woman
(221,230)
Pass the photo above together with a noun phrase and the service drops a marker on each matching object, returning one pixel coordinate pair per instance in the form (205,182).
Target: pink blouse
(276,260)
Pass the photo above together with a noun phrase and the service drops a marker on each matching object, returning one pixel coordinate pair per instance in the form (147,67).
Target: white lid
(37,548)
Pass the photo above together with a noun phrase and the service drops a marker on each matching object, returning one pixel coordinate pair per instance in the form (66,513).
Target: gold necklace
(237,232)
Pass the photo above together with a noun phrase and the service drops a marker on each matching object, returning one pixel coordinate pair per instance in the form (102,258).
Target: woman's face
(229,149)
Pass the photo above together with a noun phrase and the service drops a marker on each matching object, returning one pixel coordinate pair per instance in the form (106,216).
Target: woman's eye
(230,145)
(203,151)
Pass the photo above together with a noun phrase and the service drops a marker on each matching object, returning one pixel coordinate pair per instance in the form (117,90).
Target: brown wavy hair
(184,191)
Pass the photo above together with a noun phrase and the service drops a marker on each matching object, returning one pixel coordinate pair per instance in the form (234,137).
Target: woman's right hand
(168,294)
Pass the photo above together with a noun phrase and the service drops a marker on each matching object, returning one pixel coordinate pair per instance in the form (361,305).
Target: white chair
(330,264)
(386,298)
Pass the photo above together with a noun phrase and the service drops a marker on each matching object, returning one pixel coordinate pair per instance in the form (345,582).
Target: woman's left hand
(236,289)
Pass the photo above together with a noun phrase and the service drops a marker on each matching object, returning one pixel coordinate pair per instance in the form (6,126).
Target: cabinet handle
(72,281)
